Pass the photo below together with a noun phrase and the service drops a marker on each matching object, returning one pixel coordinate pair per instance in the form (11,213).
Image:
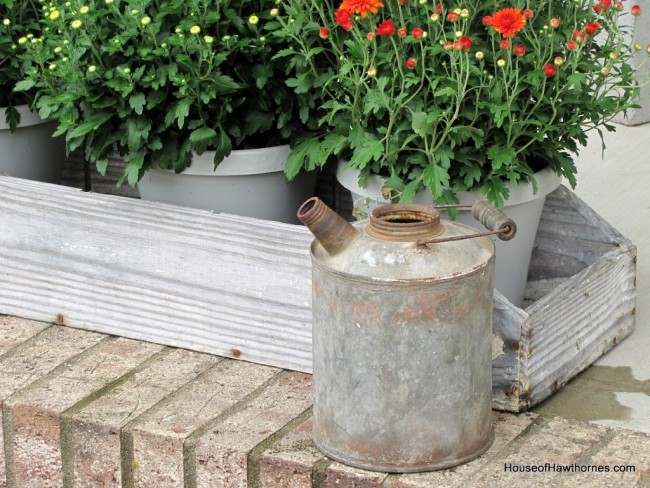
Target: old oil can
(402,314)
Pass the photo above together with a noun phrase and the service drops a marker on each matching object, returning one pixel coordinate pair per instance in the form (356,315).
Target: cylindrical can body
(402,369)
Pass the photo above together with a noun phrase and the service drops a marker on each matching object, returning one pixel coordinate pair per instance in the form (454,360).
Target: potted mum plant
(429,100)
(187,87)
(28,149)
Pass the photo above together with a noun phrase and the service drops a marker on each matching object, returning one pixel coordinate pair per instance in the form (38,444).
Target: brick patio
(89,410)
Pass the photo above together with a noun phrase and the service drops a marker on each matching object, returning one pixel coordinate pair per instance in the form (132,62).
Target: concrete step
(82,409)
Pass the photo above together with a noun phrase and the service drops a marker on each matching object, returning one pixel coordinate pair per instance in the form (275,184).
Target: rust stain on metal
(515,345)
(60,319)
(236,353)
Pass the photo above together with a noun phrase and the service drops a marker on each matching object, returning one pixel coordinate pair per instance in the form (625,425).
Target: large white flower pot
(30,151)
(523,206)
(248,182)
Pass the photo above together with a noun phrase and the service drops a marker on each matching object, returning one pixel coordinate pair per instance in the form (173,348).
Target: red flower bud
(528,13)
(386,28)
(411,63)
(403,2)
(597,8)
(465,43)
(438,9)
(401,32)
(549,70)
(519,50)
(371,36)
(324,33)
(579,36)
(505,44)
(417,33)
(555,23)
(487,20)
(636,10)
(591,28)
(452,16)
(571,45)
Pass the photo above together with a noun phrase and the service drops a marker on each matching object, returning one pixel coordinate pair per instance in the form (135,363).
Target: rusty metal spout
(332,231)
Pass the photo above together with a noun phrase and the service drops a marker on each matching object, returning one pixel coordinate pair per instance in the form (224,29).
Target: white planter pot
(249,182)
(523,206)
(31,152)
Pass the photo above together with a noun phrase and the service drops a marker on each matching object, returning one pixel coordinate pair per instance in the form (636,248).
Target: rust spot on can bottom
(236,353)
(60,319)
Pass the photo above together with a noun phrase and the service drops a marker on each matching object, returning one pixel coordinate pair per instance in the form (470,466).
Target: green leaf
(225,84)
(496,192)
(371,150)
(373,102)
(202,137)
(182,110)
(500,112)
(436,178)
(24,85)
(304,155)
(420,125)
(300,85)
(446,91)
(137,102)
(501,155)
(89,125)
(409,191)
(444,156)
(223,147)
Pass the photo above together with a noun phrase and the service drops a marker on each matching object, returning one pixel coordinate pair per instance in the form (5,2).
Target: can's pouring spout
(332,231)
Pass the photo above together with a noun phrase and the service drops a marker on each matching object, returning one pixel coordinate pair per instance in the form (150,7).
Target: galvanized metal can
(402,333)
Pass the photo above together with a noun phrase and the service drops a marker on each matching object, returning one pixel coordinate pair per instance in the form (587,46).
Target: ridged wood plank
(215,283)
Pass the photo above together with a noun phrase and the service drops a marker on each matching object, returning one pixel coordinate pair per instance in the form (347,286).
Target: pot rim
(239,162)
(27,117)
(547,181)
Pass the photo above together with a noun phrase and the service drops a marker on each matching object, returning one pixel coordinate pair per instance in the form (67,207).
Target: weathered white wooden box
(241,287)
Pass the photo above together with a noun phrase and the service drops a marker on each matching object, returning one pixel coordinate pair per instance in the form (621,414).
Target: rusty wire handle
(493,219)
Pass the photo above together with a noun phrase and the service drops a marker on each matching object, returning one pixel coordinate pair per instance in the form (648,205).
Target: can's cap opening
(404,222)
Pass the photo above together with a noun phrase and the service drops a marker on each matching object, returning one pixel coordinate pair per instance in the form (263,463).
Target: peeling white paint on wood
(241,287)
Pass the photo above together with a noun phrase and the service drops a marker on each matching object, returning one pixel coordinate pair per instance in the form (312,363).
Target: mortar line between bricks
(67,449)
(390,480)
(253,458)
(319,472)
(189,445)
(7,420)
(10,473)
(510,448)
(644,482)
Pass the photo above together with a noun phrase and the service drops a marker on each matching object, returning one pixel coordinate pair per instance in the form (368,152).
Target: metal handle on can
(492,218)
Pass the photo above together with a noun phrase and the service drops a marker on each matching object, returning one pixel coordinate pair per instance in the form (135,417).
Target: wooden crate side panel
(570,237)
(506,326)
(182,277)
(577,323)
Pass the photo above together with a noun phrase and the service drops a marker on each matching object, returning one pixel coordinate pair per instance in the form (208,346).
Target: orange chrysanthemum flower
(361,7)
(508,21)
